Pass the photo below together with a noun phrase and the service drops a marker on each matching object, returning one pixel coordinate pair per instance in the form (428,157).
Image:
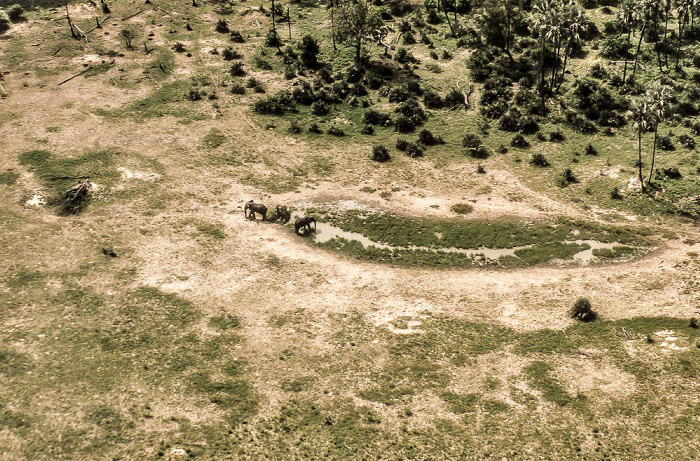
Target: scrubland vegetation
(144,317)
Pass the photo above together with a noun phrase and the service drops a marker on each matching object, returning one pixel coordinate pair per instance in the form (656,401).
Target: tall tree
(684,8)
(539,22)
(627,19)
(575,21)
(658,98)
(639,114)
(356,21)
(647,9)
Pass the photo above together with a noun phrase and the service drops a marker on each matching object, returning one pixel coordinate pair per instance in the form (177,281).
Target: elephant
(254,208)
(305,222)
(282,213)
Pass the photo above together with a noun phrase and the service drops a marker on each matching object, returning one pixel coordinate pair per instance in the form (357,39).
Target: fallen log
(76,75)
(132,15)
(99,24)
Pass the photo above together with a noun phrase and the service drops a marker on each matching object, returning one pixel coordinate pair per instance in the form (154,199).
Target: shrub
(309,51)
(4,20)
(582,310)
(319,108)
(314,128)
(686,141)
(427,138)
(528,125)
(432,100)
(222,26)
(411,114)
(434,55)
(289,73)
(272,39)
(367,129)
(402,144)
(693,323)
(462,208)
(275,105)
(374,117)
(538,159)
(236,69)
(179,47)
(480,169)
(413,150)
(14,12)
(672,172)
(501,149)
(433,17)
(454,99)
(335,131)
(294,127)
(471,141)
(615,193)
(403,56)
(510,121)
(519,141)
(399,94)
(229,54)
(556,136)
(665,142)
(380,154)
(237,89)
(480,152)
(567,177)
(590,150)
(236,37)
(304,94)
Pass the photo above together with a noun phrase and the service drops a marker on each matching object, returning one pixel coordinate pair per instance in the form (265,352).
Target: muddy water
(326,232)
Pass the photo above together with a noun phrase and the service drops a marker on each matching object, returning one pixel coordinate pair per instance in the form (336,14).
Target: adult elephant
(253,208)
(304,222)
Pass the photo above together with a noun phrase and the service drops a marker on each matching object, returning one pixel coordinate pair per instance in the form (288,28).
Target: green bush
(309,51)
(222,26)
(380,154)
(538,159)
(15,12)
(582,311)
(4,20)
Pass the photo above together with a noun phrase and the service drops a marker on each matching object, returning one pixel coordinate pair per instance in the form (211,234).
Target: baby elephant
(305,222)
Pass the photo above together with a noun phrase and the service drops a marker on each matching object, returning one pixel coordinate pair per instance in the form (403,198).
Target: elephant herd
(281,213)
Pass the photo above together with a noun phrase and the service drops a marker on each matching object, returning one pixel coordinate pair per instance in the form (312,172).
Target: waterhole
(326,232)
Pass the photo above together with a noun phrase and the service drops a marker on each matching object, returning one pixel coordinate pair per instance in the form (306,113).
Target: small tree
(128,35)
(309,51)
(356,21)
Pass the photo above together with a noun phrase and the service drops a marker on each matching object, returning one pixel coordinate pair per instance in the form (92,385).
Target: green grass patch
(619,251)
(417,242)
(224,322)
(539,377)
(215,138)
(8,178)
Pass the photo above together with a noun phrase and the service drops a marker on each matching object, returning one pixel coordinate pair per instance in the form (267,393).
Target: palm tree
(627,19)
(685,7)
(658,98)
(639,114)
(575,20)
(647,9)
(539,20)
(555,22)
